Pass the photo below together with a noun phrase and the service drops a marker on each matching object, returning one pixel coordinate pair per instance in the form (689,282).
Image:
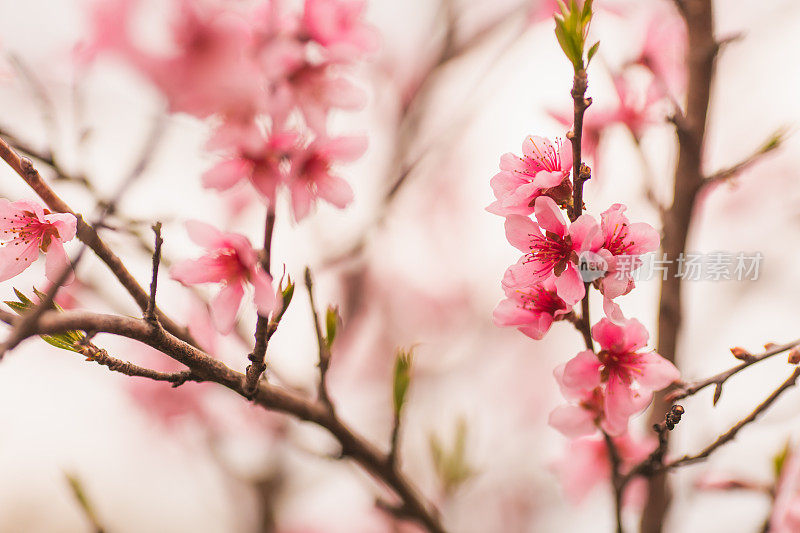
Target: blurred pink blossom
(230,261)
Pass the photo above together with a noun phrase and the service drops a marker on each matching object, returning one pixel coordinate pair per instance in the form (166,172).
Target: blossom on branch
(551,248)
(627,376)
(532,309)
(543,170)
(26,229)
(230,261)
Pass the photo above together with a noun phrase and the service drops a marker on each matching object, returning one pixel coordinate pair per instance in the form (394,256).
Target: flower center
(551,252)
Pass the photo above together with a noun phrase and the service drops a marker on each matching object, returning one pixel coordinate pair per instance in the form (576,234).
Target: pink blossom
(531,309)
(543,169)
(628,377)
(338,26)
(664,49)
(230,261)
(586,463)
(263,166)
(211,67)
(623,244)
(311,175)
(551,248)
(27,229)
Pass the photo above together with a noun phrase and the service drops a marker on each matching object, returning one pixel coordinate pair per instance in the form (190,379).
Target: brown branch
(207,368)
(688,389)
(101,357)
(654,462)
(150,313)
(701,52)
(731,433)
(265,327)
(87,234)
(580,172)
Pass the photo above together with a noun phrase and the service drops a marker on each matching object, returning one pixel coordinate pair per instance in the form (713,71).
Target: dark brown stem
(264,326)
(579,173)
(150,313)
(101,357)
(691,129)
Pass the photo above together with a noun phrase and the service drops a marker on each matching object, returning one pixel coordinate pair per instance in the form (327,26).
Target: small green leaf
(592,51)
(68,340)
(287,293)
(780,459)
(402,378)
(332,322)
(452,465)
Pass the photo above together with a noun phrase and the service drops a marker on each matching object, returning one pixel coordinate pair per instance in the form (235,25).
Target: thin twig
(101,357)
(616,479)
(322,345)
(731,433)
(150,313)
(685,390)
(265,326)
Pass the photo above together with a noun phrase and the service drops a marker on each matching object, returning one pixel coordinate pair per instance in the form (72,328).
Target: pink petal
(549,216)
(656,372)
(538,328)
(345,148)
(264,297)
(226,174)
(586,234)
(203,234)
(569,285)
(613,311)
(335,190)
(225,306)
(519,230)
(14,258)
(194,271)
(572,421)
(56,261)
(644,238)
(65,223)
(582,372)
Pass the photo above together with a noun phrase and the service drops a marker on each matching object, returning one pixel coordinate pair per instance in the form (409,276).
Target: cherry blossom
(26,229)
(586,463)
(338,26)
(532,309)
(551,248)
(311,175)
(623,243)
(230,261)
(261,166)
(628,377)
(543,170)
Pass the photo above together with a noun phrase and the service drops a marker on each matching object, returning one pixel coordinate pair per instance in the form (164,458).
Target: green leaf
(780,459)
(332,322)
(68,340)
(402,378)
(592,52)
(287,293)
(452,465)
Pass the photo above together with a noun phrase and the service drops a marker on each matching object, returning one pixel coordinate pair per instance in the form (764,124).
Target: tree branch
(207,368)
(684,390)
(322,345)
(150,313)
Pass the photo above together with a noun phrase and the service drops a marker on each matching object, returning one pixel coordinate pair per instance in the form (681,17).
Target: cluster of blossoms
(560,262)
(266,79)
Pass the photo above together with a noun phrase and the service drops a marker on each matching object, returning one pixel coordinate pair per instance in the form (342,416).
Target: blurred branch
(322,345)
(616,479)
(701,56)
(723,175)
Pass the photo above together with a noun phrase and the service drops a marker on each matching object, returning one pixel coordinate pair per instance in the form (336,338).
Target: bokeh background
(419,268)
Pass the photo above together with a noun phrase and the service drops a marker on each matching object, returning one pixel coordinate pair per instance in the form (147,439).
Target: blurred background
(415,261)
